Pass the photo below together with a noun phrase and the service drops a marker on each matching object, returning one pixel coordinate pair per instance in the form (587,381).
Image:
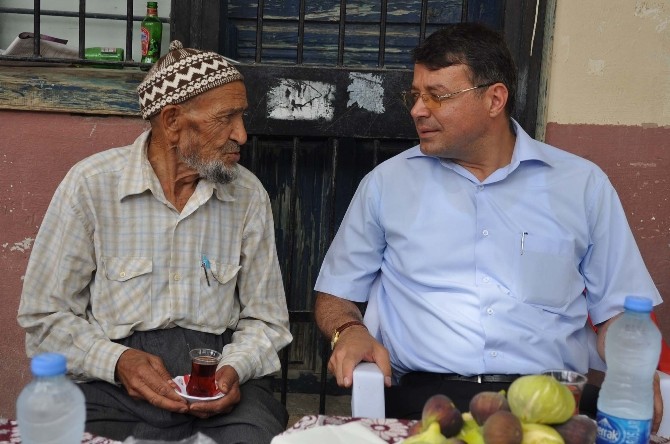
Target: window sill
(70,89)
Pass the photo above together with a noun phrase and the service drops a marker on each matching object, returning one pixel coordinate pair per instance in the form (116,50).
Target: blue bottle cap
(638,304)
(48,364)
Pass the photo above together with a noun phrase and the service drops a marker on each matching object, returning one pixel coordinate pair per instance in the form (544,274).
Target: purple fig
(502,427)
(439,408)
(484,404)
(578,430)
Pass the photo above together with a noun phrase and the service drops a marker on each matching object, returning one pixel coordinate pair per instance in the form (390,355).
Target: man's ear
(171,120)
(498,94)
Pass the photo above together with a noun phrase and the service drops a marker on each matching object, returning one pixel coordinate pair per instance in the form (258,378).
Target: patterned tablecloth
(390,430)
(9,433)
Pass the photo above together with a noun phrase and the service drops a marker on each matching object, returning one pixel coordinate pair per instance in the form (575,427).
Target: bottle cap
(48,364)
(638,304)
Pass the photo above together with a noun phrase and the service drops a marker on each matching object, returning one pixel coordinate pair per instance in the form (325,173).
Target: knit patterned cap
(180,74)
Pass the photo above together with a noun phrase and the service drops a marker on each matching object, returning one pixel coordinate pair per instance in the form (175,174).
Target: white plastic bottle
(51,408)
(632,350)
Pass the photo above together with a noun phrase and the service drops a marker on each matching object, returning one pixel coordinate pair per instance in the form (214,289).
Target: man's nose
(239,133)
(419,109)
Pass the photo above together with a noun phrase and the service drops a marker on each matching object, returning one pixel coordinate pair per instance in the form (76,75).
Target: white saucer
(182,382)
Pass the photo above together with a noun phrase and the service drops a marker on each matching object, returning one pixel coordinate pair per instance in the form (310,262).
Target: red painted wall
(637,161)
(37,149)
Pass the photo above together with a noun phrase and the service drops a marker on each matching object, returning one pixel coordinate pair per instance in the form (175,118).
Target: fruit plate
(182,382)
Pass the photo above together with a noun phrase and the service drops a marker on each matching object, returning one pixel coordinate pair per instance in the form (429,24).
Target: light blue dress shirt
(487,277)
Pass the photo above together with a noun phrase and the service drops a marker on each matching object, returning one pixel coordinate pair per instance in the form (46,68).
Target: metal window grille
(342,32)
(81,15)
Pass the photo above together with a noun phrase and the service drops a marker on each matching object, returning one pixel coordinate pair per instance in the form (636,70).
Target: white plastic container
(626,399)
(51,408)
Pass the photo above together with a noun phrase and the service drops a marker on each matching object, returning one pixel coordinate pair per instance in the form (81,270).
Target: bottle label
(615,430)
(145,38)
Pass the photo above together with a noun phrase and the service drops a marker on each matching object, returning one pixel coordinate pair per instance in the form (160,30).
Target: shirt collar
(139,176)
(525,149)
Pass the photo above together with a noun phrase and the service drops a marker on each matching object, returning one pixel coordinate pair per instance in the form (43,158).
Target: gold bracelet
(340,329)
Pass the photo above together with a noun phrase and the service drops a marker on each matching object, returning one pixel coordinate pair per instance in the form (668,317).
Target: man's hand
(228,382)
(354,345)
(658,404)
(144,376)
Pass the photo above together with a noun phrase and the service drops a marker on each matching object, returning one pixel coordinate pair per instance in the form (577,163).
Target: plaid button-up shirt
(113,256)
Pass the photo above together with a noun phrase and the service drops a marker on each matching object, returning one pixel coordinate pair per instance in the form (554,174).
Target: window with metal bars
(343,32)
(77,25)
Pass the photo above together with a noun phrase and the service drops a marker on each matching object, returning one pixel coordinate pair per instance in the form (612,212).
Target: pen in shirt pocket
(523,239)
(205,266)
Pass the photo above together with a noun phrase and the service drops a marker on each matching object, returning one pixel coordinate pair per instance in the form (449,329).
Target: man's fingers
(219,406)
(658,404)
(144,377)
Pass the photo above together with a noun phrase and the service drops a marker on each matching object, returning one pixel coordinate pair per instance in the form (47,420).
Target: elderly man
(153,249)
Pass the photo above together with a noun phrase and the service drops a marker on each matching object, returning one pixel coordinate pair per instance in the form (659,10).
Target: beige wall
(610,63)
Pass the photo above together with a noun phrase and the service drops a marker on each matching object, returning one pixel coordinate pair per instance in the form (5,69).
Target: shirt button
(122,274)
(480,188)
(486,279)
(494,354)
(176,277)
(489,311)
(485,232)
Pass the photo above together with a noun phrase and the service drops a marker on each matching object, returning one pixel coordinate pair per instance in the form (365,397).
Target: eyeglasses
(433,101)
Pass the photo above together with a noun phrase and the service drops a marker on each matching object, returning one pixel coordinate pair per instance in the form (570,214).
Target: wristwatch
(340,329)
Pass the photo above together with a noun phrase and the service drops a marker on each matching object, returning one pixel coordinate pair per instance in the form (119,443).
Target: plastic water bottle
(51,408)
(626,400)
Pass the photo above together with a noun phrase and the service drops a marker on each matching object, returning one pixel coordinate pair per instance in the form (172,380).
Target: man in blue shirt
(483,250)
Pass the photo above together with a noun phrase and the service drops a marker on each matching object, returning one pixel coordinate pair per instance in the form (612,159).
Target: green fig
(540,434)
(439,408)
(540,399)
(431,435)
(470,432)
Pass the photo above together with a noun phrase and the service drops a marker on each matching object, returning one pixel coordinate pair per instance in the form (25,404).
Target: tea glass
(202,382)
(572,380)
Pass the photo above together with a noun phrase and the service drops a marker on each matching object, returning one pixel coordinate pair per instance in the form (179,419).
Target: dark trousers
(111,413)
(406,400)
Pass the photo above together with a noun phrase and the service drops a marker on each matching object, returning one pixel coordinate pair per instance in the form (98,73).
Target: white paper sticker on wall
(301,100)
(366,91)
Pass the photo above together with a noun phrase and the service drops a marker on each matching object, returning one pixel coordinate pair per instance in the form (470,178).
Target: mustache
(230,147)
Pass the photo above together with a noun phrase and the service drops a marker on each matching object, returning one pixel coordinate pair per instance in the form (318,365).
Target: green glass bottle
(105,54)
(151,34)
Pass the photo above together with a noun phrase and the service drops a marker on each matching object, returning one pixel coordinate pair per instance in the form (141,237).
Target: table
(393,431)
(9,433)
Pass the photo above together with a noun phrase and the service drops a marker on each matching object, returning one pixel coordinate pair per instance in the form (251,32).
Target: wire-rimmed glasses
(433,101)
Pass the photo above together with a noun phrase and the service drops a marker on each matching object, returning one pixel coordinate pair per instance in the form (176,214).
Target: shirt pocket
(224,273)
(220,297)
(546,271)
(127,288)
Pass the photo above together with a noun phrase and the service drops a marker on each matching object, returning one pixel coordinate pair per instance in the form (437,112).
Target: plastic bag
(198,438)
